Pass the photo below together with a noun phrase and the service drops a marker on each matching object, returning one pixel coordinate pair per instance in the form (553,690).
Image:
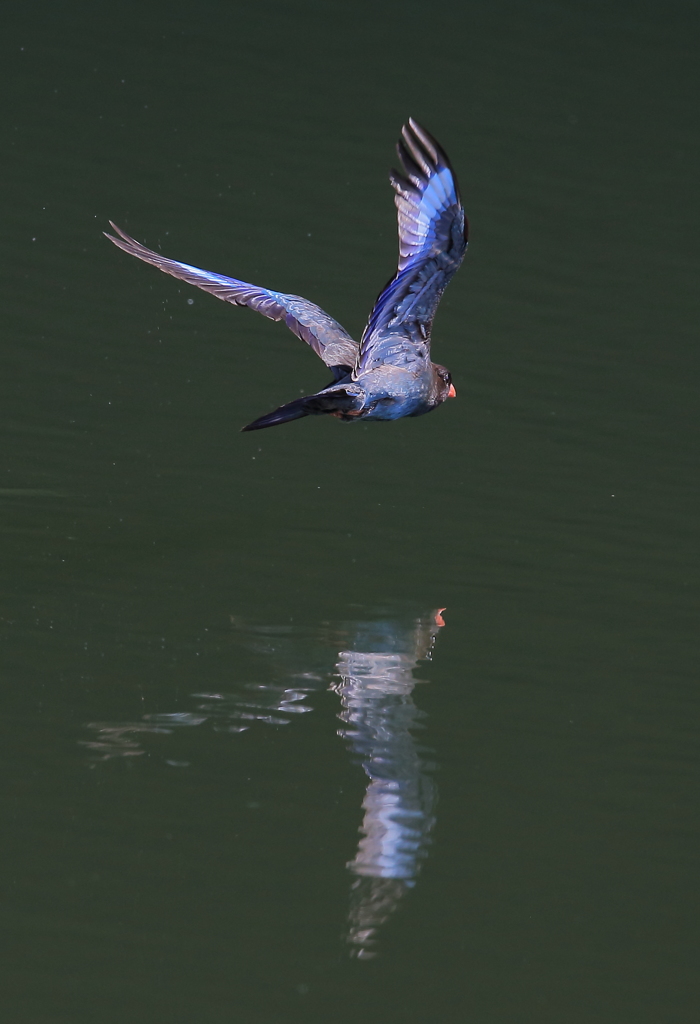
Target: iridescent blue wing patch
(432,244)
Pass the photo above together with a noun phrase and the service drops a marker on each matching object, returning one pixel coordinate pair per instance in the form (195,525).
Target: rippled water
(341,722)
(374,682)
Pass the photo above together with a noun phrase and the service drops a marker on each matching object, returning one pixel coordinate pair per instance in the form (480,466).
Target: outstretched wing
(309,322)
(432,244)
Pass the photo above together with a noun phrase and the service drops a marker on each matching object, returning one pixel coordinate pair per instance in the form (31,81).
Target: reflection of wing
(327,338)
(275,703)
(224,712)
(432,244)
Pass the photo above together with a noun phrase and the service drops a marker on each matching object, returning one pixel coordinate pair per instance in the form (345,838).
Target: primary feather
(327,338)
(432,244)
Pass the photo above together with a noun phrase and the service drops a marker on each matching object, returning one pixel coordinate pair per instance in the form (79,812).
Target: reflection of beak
(452,393)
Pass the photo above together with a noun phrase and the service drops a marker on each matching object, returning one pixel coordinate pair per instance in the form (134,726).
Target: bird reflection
(374,679)
(375,689)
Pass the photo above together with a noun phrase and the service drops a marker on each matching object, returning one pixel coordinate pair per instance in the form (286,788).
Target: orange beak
(452,393)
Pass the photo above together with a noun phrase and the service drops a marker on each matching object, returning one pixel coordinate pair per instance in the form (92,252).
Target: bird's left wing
(327,338)
(432,244)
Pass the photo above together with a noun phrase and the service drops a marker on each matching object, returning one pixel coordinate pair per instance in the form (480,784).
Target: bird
(389,374)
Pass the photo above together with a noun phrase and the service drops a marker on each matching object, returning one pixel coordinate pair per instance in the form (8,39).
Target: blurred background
(252,769)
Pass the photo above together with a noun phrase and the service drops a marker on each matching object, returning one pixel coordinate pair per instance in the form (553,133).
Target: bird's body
(389,375)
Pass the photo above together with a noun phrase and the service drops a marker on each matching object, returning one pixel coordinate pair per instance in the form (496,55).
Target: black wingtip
(421,145)
(429,143)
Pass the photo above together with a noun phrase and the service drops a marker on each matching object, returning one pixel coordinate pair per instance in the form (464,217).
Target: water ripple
(373,676)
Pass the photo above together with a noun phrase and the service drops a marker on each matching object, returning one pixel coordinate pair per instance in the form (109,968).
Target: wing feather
(432,244)
(327,338)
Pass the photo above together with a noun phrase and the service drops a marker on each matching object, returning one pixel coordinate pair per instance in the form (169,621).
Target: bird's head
(445,387)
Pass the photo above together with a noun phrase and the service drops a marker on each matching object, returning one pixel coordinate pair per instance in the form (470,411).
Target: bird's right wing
(432,244)
(327,338)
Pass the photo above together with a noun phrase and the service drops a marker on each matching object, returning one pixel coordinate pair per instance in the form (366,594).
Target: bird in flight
(390,374)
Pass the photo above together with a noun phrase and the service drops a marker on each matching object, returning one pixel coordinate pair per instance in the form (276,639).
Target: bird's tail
(340,402)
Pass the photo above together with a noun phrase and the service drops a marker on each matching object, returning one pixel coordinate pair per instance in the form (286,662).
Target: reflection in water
(375,689)
(227,712)
(374,679)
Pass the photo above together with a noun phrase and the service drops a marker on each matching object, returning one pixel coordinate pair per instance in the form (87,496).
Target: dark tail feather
(331,402)
(290,411)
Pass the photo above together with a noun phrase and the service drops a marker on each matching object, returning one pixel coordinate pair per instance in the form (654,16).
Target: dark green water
(180,840)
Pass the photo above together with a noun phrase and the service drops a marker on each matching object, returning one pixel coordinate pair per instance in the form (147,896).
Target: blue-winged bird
(389,374)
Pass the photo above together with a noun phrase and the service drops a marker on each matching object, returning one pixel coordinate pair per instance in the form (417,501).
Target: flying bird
(390,374)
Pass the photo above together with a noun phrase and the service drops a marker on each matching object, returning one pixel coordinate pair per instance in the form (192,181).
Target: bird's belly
(396,408)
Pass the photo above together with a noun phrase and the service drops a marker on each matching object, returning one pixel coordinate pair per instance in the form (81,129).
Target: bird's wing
(309,322)
(432,244)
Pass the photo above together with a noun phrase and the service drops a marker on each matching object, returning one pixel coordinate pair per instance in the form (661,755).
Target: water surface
(249,775)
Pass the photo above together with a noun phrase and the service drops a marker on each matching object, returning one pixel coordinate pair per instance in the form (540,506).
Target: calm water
(388,723)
